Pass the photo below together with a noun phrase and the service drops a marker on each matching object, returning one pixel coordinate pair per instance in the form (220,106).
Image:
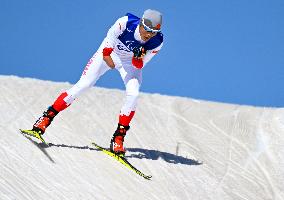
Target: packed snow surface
(193,149)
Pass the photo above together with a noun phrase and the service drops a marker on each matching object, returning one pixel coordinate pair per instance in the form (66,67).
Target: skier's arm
(151,53)
(113,33)
(107,58)
(141,58)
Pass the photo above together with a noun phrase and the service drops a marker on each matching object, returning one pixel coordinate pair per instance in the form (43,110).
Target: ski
(33,134)
(123,161)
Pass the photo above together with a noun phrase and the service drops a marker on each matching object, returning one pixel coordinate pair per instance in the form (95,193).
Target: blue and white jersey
(124,36)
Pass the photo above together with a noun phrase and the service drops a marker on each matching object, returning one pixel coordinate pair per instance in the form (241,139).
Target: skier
(129,45)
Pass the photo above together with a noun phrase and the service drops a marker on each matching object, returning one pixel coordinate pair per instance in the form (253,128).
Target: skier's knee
(133,94)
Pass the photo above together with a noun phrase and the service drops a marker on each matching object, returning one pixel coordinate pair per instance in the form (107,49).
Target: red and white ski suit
(96,67)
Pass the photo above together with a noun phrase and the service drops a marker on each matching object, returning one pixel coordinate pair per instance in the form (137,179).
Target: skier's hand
(137,59)
(107,58)
(139,53)
(109,61)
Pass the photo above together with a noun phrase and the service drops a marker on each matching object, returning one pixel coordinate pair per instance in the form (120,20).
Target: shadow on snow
(141,154)
(155,155)
(42,147)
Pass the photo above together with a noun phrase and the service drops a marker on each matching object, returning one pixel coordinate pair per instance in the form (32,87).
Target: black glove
(138,52)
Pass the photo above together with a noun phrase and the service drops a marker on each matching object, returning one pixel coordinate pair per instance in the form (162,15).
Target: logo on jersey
(121,47)
(129,30)
(128,46)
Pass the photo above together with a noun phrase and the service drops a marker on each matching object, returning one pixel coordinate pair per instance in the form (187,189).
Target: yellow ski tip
(34,134)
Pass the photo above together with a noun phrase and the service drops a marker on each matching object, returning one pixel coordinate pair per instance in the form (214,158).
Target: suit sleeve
(114,31)
(150,54)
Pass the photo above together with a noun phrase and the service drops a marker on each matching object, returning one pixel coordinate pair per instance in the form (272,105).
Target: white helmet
(152,20)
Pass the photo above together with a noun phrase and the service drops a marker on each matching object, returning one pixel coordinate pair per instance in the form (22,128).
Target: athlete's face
(145,35)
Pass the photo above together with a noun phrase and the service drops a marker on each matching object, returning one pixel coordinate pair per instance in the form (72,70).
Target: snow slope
(194,149)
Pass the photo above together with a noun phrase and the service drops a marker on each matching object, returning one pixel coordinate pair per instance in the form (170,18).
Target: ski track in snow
(193,149)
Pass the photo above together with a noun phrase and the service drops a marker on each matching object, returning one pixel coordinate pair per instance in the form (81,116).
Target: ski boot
(45,120)
(41,124)
(116,143)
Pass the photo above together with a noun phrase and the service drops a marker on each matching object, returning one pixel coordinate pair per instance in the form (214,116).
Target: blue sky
(225,51)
